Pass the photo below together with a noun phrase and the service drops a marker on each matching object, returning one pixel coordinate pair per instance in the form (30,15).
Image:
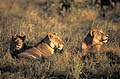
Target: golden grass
(27,18)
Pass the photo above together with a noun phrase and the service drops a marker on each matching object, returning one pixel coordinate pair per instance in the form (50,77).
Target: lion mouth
(18,47)
(105,41)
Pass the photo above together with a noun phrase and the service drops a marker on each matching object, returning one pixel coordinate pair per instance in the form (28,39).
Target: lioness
(45,48)
(17,44)
(94,40)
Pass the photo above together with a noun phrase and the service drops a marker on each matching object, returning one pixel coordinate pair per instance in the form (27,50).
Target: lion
(94,40)
(17,44)
(44,48)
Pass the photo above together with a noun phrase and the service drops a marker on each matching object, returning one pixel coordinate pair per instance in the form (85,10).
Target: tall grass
(36,19)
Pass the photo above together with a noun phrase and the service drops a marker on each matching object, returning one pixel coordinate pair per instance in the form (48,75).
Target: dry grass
(35,21)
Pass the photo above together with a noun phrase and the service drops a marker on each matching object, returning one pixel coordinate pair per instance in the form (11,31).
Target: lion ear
(23,38)
(50,35)
(101,30)
(92,32)
(13,36)
(55,33)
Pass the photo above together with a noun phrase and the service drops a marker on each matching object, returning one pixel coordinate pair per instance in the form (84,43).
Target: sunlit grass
(25,17)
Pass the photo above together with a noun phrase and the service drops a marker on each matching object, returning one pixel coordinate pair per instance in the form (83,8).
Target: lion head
(94,40)
(99,36)
(54,41)
(17,42)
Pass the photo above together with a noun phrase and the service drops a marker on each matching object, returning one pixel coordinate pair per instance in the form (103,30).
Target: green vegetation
(36,18)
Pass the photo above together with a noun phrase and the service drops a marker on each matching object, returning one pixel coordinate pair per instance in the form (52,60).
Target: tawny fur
(94,40)
(17,44)
(43,49)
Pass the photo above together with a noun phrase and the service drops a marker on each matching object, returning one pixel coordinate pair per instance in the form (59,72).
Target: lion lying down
(45,48)
(94,40)
(17,44)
